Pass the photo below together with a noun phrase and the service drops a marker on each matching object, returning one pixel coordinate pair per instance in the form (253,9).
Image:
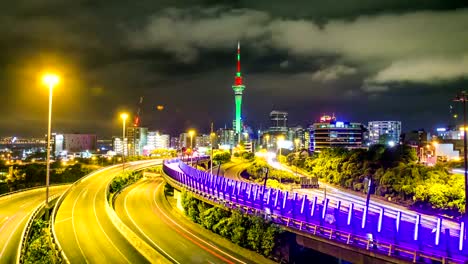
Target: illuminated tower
(238,88)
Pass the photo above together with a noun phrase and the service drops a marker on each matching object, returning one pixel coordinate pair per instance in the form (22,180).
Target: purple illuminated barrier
(337,220)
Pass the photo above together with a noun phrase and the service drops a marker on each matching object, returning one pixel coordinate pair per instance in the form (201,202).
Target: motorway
(15,210)
(145,210)
(83,227)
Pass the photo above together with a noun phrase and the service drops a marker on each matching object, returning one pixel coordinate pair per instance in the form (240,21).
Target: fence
(304,215)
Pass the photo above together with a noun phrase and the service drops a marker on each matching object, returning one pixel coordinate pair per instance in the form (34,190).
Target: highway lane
(15,210)
(144,208)
(233,170)
(84,229)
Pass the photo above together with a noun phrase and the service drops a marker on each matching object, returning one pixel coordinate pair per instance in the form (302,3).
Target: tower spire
(238,57)
(238,78)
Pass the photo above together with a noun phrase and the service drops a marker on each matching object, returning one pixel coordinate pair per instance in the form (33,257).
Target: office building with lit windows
(136,138)
(329,133)
(384,132)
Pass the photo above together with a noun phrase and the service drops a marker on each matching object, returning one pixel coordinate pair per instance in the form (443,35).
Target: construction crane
(136,121)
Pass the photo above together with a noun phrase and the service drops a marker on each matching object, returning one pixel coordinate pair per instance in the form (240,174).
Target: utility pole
(461,97)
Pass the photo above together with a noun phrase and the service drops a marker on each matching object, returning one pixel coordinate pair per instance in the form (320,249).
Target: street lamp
(50,80)
(211,156)
(124,117)
(279,144)
(462,97)
(191,133)
(267,137)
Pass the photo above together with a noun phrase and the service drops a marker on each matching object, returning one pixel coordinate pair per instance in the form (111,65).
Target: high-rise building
(118,147)
(174,143)
(328,133)
(296,135)
(278,121)
(238,88)
(202,141)
(73,143)
(137,139)
(226,138)
(384,132)
(157,141)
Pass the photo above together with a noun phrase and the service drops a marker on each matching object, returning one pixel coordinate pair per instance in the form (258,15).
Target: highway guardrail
(25,235)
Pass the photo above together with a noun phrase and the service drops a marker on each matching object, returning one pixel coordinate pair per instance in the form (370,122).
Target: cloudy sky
(360,59)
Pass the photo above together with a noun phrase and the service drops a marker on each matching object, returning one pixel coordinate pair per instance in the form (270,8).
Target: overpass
(343,230)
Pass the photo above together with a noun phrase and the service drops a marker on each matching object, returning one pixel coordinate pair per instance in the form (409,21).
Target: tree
(222,157)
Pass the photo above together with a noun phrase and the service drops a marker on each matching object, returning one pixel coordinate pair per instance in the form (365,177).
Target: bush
(252,232)
(39,248)
(221,157)
(124,179)
(248,155)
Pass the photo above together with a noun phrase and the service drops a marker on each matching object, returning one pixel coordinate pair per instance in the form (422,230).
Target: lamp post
(279,144)
(50,80)
(191,133)
(124,117)
(267,137)
(212,134)
(462,98)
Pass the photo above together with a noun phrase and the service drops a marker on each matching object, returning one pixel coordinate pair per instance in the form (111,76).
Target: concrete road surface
(144,208)
(83,227)
(15,210)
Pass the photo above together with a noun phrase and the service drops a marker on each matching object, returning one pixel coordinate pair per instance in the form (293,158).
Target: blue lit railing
(392,236)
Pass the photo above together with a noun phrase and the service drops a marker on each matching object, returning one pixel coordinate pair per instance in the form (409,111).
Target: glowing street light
(212,135)
(124,117)
(191,133)
(50,80)
(267,137)
(279,143)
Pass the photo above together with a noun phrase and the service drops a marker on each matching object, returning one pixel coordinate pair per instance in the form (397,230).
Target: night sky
(362,60)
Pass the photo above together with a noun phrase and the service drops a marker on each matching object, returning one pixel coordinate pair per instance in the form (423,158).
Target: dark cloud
(361,59)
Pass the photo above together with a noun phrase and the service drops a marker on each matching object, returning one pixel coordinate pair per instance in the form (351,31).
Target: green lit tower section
(238,88)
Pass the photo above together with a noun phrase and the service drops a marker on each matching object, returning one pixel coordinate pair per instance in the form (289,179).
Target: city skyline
(294,61)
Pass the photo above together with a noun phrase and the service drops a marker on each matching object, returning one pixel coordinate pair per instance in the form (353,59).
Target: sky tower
(238,88)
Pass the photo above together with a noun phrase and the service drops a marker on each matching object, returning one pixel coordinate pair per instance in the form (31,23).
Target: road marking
(6,218)
(141,231)
(73,224)
(11,234)
(216,248)
(99,223)
(63,220)
(27,203)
